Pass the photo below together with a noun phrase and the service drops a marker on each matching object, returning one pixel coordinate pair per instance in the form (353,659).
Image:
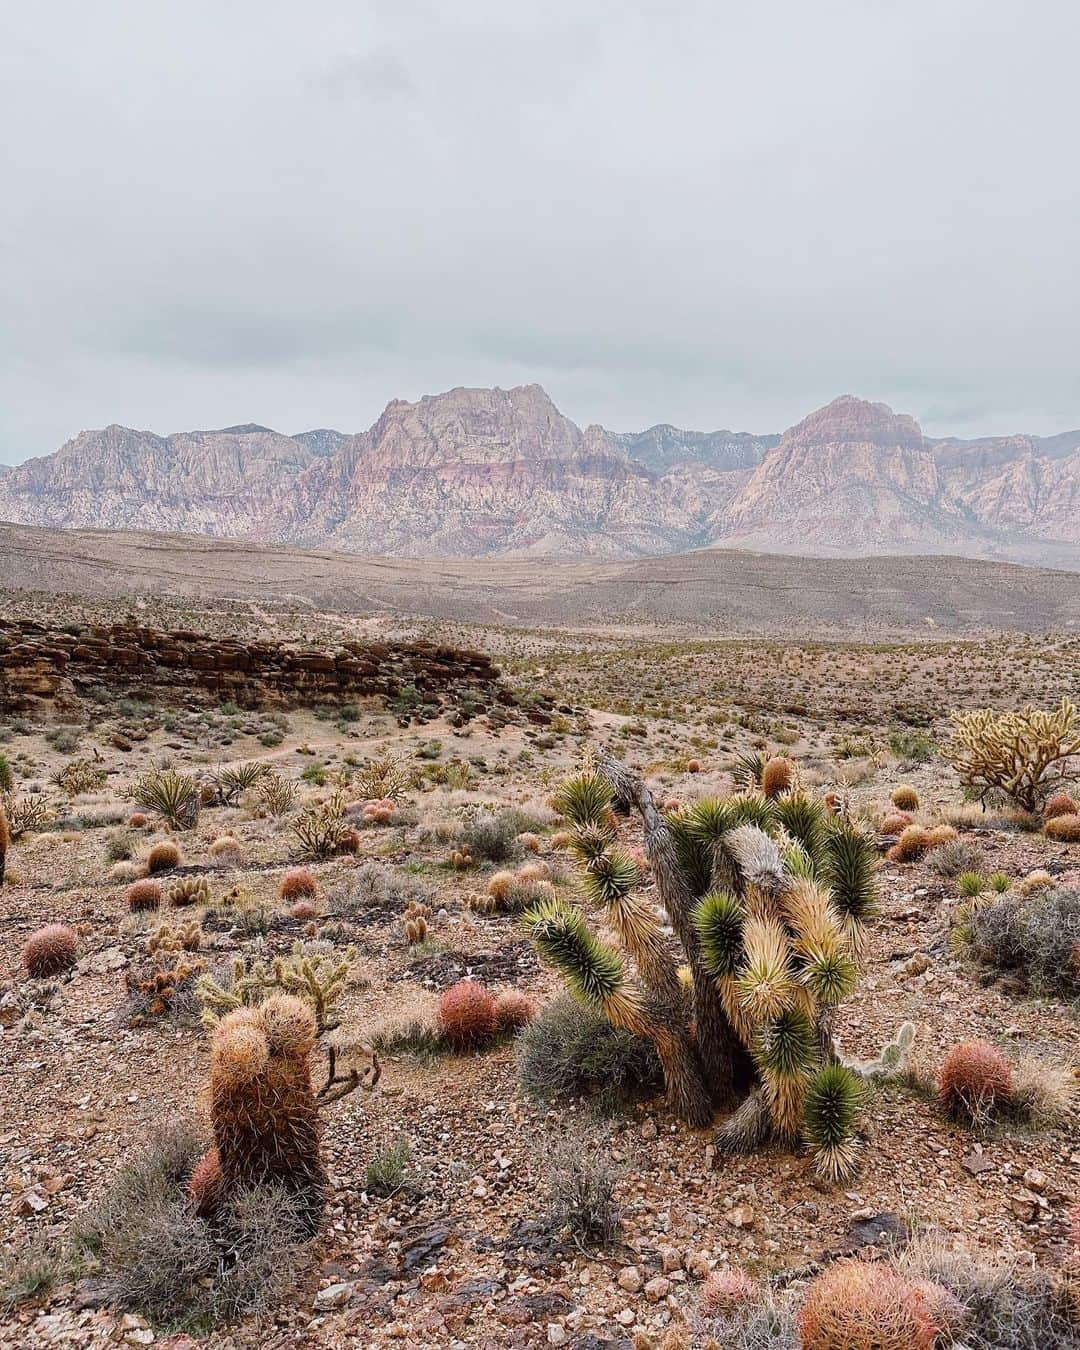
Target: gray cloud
(714,214)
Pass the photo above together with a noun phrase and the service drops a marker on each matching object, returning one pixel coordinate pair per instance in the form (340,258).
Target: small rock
(629,1278)
(670,1260)
(977,1163)
(649,1129)
(657,1288)
(1035,1180)
(742,1216)
(556,1334)
(333,1296)
(1025,1205)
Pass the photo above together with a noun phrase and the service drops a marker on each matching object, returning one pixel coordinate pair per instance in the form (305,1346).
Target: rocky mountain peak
(854,421)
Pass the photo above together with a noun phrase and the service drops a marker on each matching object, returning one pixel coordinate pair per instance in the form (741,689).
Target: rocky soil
(462,1255)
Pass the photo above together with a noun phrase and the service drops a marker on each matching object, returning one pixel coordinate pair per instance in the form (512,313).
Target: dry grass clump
(50,950)
(1038,880)
(1043,1094)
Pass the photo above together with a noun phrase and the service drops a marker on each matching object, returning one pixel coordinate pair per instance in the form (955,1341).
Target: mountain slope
(502,473)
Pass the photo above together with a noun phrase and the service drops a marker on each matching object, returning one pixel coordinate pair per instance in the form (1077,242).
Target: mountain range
(475,473)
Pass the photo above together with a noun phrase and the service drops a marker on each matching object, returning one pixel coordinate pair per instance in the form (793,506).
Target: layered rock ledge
(40,664)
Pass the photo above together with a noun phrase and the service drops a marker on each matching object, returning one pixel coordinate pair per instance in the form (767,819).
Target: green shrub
(570,1050)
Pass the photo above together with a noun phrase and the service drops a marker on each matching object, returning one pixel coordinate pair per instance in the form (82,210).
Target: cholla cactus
(78,776)
(768,900)
(1027,755)
(890,1060)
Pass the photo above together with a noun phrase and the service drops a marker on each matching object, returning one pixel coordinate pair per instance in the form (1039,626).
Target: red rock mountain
(493,472)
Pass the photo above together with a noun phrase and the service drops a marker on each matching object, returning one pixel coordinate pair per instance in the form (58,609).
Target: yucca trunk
(727,1067)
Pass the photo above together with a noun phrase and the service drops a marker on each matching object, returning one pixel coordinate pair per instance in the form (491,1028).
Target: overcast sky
(714,214)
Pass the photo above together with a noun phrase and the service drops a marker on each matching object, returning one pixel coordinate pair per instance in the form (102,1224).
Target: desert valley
(649,952)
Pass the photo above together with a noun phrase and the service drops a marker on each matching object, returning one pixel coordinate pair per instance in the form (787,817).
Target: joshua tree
(766,900)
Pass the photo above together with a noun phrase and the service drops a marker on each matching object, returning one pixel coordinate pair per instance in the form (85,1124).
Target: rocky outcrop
(418,678)
(502,473)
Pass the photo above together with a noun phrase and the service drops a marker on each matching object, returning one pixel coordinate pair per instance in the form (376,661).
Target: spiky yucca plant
(768,899)
(172,796)
(833,1097)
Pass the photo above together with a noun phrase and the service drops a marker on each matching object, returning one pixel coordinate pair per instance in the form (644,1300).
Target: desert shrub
(50,950)
(863,1306)
(905,798)
(173,796)
(7,778)
(298,883)
(153,1255)
(1004,1307)
(571,1050)
(163,857)
(371,886)
(581,1181)
(1025,755)
(914,746)
(492,836)
(119,846)
(513,1010)
(1060,804)
(1064,829)
(1034,935)
(466,1015)
(959,855)
(143,895)
(975,1079)
(388,1171)
(1042,1093)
